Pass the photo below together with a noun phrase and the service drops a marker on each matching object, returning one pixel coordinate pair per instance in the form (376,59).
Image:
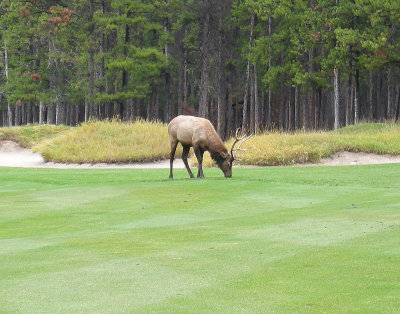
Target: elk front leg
(199,155)
(185,155)
(174,144)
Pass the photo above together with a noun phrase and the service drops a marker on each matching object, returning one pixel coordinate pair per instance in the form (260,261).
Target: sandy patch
(13,155)
(349,158)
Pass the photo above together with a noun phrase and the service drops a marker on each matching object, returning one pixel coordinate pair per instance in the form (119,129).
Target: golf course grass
(305,239)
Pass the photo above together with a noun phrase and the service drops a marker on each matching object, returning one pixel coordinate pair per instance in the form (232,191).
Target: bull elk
(200,134)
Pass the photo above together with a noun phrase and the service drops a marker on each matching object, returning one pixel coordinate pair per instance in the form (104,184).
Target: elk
(200,134)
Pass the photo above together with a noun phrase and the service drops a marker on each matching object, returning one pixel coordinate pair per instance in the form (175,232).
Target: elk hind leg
(174,144)
(185,155)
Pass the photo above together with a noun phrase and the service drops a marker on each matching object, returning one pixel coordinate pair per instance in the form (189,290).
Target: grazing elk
(200,134)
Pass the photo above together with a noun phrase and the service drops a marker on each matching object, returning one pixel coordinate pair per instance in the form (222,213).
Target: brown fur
(200,134)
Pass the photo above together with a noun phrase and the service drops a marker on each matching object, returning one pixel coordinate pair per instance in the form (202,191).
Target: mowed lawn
(304,239)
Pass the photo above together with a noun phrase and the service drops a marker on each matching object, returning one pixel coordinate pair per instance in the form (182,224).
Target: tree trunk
(379,114)
(148,110)
(247,83)
(90,103)
(185,81)
(221,99)
(229,111)
(29,118)
(296,106)
(52,85)
(9,113)
(87,105)
(350,99)
(370,97)
(60,106)
(18,114)
(356,97)
(23,114)
(90,110)
(256,102)
(126,104)
(336,98)
(205,64)
(269,67)
(251,128)
(41,112)
(157,106)
(397,101)
(181,76)
(389,94)
(310,95)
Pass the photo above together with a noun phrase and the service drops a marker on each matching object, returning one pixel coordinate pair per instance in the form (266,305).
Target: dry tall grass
(277,149)
(31,134)
(109,142)
(115,141)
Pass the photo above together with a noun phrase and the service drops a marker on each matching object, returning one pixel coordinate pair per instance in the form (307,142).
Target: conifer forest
(255,64)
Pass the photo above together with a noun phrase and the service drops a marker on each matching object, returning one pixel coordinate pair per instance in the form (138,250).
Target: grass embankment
(109,142)
(276,149)
(31,135)
(113,141)
(279,240)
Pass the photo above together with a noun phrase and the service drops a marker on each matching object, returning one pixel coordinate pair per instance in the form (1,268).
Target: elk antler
(243,139)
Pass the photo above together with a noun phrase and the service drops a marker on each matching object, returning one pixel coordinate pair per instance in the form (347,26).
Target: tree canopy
(259,64)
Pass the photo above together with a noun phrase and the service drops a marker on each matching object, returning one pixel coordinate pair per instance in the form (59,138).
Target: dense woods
(259,64)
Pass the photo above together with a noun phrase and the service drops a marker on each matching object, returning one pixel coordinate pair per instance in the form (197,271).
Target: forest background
(258,64)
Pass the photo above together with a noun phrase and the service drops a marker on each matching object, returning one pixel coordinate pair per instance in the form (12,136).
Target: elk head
(227,159)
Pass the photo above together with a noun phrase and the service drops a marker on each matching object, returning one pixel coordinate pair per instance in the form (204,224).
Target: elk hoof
(171,177)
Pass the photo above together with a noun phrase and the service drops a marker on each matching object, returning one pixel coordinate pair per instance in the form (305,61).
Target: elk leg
(185,155)
(171,158)
(199,155)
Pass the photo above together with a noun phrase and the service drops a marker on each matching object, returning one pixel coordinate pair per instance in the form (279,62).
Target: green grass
(286,240)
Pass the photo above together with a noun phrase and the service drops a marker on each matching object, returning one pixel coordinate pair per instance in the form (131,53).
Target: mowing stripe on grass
(310,239)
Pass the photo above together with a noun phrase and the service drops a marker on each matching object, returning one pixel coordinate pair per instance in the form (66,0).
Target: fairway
(288,239)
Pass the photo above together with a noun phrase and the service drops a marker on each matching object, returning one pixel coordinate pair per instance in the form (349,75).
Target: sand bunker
(13,155)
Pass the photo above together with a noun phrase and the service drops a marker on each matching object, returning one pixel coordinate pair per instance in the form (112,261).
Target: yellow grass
(115,141)
(31,134)
(276,148)
(109,142)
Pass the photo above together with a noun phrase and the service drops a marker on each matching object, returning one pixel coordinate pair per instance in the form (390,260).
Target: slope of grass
(113,141)
(31,134)
(109,141)
(282,240)
(276,149)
